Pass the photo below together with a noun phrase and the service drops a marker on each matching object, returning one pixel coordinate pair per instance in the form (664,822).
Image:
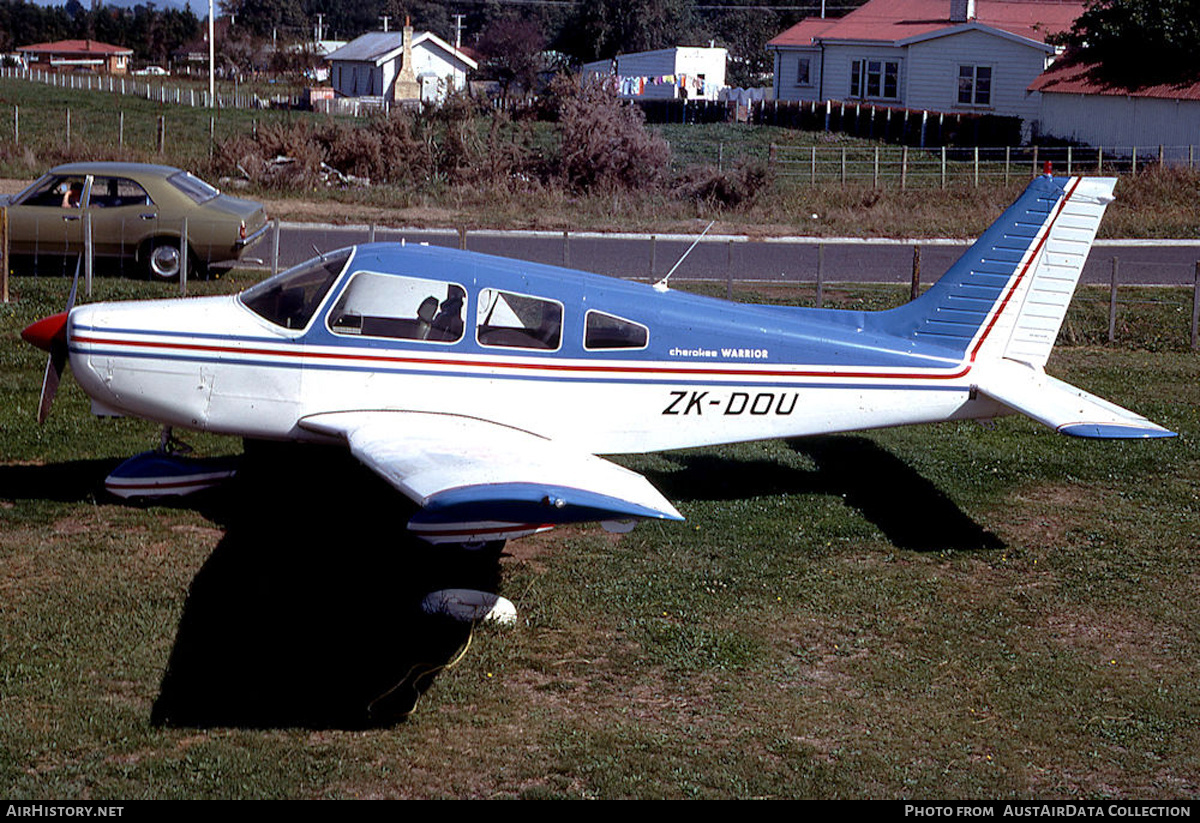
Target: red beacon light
(1048,169)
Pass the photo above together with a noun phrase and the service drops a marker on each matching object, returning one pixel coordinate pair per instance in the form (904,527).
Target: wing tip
(1115,431)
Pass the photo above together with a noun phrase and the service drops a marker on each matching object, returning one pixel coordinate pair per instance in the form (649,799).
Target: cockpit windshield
(290,298)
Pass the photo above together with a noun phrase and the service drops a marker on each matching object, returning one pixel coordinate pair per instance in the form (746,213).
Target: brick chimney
(407,87)
(962,10)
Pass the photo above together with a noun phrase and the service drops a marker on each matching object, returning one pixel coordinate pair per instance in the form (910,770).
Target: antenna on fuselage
(661,285)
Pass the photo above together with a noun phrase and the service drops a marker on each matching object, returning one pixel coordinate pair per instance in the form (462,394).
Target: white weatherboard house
(682,72)
(952,56)
(369,66)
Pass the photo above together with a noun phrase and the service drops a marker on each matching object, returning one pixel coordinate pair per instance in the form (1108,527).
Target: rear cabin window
(400,307)
(290,299)
(518,321)
(193,186)
(607,331)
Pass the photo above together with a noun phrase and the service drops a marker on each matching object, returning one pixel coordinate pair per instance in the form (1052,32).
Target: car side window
(62,191)
(607,331)
(400,307)
(518,321)
(113,192)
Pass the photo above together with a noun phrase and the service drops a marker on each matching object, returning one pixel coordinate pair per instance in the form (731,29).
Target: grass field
(1157,203)
(956,611)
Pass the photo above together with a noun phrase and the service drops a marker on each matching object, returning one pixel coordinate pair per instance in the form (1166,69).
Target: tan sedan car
(136,211)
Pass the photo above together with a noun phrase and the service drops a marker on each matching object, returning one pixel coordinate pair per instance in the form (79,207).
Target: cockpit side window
(607,331)
(518,321)
(400,307)
(290,299)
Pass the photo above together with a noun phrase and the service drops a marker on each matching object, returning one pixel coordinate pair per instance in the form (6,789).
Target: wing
(1061,406)
(478,480)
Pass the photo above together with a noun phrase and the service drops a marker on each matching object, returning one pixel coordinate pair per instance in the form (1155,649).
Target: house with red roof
(77,55)
(951,56)
(1076,103)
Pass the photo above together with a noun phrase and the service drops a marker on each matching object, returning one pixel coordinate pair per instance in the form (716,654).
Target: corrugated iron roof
(75,47)
(892,21)
(369,47)
(1078,77)
(375,46)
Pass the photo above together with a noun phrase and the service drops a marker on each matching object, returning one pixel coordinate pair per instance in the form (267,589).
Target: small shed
(682,72)
(1077,104)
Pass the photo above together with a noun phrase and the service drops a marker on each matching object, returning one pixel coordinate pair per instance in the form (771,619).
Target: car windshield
(289,299)
(193,186)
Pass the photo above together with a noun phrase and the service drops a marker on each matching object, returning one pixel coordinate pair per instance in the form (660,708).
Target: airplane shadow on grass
(307,613)
(910,511)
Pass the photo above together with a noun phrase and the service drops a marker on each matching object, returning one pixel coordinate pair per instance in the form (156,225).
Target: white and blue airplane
(484,389)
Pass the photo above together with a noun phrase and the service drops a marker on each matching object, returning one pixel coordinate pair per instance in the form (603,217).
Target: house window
(875,79)
(975,85)
(802,72)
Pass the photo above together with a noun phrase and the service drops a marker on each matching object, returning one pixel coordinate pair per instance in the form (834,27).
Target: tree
(606,28)
(1139,42)
(512,51)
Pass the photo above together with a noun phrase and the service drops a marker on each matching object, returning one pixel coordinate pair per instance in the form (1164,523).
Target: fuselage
(605,365)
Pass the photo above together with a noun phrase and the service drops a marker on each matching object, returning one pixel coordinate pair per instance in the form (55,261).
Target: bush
(734,188)
(603,142)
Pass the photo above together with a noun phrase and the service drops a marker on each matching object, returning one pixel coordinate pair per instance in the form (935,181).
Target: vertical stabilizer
(1006,297)
(1030,318)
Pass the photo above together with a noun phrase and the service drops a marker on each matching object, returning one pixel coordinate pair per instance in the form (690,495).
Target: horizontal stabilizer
(1061,406)
(471,477)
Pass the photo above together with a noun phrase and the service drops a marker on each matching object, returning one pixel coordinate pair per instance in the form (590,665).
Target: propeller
(50,334)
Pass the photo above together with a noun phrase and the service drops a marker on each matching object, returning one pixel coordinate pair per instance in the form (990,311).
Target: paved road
(1154,262)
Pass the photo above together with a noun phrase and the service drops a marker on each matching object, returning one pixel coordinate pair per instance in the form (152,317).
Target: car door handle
(148,216)
(70,217)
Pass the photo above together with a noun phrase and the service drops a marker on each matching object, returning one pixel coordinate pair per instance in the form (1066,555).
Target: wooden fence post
(4,254)
(820,275)
(88,253)
(915,288)
(1112,304)
(1195,306)
(729,272)
(183,257)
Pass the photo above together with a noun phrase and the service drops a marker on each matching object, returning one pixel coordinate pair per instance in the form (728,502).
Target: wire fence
(158,91)
(907,166)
